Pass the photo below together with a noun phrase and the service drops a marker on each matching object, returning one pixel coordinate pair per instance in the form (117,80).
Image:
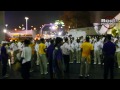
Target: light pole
(6,25)
(26,18)
(5,31)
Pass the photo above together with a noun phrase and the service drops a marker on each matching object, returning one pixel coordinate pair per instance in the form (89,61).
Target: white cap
(115,39)
(3,42)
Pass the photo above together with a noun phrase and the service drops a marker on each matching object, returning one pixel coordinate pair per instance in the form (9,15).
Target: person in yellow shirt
(87,50)
(43,58)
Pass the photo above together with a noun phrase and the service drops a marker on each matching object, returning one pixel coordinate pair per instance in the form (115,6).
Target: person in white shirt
(66,54)
(74,50)
(47,43)
(37,52)
(26,60)
(78,50)
(71,52)
(97,47)
(14,49)
(19,44)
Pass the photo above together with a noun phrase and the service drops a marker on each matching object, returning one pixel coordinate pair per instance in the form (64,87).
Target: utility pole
(2,25)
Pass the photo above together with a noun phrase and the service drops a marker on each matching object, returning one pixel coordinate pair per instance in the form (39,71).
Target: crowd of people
(60,52)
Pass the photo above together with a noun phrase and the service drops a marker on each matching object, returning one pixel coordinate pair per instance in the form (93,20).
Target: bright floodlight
(6,25)
(56,23)
(60,33)
(26,18)
(53,27)
(4,30)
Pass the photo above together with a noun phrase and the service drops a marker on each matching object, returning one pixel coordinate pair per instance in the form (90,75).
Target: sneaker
(31,70)
(87,77)
(81,76)
(99,63)
(6,75)
(70,62)
(46,73)
(95,63)
(119,67)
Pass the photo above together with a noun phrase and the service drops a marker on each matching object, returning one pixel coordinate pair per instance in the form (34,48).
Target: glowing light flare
(59,33)
(4,30)
(54,27)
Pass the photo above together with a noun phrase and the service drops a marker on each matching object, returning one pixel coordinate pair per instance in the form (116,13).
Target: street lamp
(4,30)
(6,25)
(26,18)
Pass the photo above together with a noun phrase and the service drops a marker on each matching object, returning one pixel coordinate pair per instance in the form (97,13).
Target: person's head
(13,41)
(58,41)
(4,44)
(98,39)
(52,41)
(78,40)
(108,37)
(26,42)
(87,39)
(42,40)
(66,39)
(73,38)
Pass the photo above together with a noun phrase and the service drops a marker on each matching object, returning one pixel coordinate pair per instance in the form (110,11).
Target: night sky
(36,18)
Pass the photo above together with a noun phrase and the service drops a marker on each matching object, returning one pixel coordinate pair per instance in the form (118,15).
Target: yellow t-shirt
(86,49)
(42,47)
(32,45)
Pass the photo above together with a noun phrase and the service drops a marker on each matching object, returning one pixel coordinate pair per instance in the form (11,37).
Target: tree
(76,19)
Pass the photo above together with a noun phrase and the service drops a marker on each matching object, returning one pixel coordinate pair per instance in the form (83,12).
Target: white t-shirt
(36,47)
(14,47)
(97,45)
(47,44)
(19,44)
(26,54)
(77,46)
(65,49)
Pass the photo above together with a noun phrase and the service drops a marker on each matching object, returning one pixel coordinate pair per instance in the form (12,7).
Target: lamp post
(26,18)
(5,31)
(6,25)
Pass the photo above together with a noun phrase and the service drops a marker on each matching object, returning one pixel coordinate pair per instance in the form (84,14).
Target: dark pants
(4,65)
(33,61)
(50,67)
(66,62)
(25,70)
(109,66)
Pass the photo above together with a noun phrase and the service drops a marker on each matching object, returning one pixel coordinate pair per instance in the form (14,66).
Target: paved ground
(96,72)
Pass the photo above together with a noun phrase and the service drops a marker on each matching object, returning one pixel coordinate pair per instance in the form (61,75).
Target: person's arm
(92,52)
(23,53)
(104,49)
(81,47)
(67,47)
(59,61)
(45,48)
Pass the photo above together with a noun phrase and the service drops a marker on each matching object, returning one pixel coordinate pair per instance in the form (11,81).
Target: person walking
(109,50)
(43,58)
(50,50)
(87,50)
(4,58)
(26,56)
